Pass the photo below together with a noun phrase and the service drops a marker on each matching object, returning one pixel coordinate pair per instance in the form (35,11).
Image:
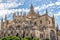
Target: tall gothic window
(17,34)
(49,22)
(18,27)
(41,21)
(35,23)
(52,35)
(30,22)
(10,28)
(41,35)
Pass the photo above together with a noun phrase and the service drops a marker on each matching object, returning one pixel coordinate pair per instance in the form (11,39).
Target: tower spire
(53,21)
(46,15)
(1,23)
(14,14)
(38,12)
(1,20)
(5,17)
(24,13)
(6,20)
(46,12)
(21,13)
(53,16)
(31,8)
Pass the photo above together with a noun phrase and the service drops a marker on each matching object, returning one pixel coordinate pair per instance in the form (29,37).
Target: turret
(53,21)
(1,20)
(57,30)
(6,21)
(24,14)
(17,13)
(38,13)
(14,14)
(5,17)
(46,12)
(1,23)
(20,13)
(57,27)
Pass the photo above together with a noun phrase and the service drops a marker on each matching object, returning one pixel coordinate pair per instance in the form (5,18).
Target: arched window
(26,34)
(35,23)
(52,35)
(30,22)
(41,35)
(23,34)
(10,28)
(18,27)
(41,21)
(11,32)
(17,34)
(49,22)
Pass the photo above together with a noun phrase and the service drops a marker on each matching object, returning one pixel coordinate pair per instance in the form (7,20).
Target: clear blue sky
(8,7)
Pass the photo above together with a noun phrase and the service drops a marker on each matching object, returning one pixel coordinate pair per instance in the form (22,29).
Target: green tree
(26,38)
(4,39)
(9,38)
(35,39)
(0,38)
(15,38)
(47,39)
(12,38)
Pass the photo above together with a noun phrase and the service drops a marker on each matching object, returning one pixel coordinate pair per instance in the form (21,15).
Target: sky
(8,7)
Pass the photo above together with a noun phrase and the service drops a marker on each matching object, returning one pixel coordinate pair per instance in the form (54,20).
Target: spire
(46,17)
(53,21)
(38,12)
(1,22)
(46,12)
(53,16)
(17,13)
(24,13)
(31,8)
(5,17)
(57,27)
(6,20)
(21,13)
(14,14)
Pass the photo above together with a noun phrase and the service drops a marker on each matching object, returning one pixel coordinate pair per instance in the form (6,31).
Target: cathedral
(32,25)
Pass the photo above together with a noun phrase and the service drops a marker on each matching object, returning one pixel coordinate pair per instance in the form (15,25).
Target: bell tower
(31,10)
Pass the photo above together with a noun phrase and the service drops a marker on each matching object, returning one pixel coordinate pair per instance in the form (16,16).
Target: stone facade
(31,24)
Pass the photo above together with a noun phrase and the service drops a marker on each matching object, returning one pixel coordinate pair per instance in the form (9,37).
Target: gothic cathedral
(32,25)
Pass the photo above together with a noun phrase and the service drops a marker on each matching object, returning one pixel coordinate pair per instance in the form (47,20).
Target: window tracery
(40,21)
